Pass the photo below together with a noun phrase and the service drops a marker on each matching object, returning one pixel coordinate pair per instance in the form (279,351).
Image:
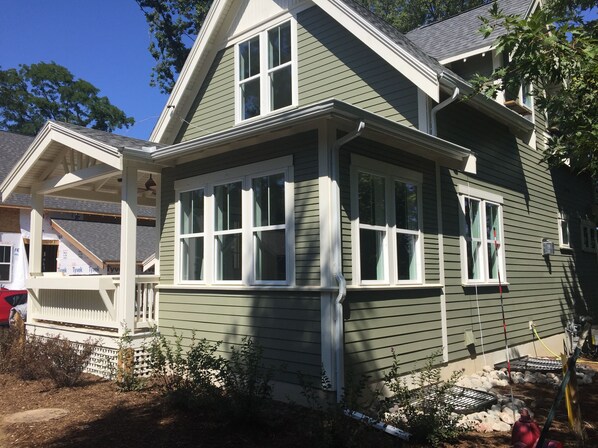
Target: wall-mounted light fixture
(547,247)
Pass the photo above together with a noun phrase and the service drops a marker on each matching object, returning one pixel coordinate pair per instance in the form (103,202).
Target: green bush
(64,361)
(425,411)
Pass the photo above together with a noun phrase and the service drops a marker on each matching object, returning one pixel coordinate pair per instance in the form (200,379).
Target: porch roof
(70,161)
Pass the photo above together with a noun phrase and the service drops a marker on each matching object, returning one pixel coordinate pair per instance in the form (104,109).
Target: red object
(8,299)
(526,433)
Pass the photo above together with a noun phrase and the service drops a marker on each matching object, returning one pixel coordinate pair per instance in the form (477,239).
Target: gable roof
(458,36)
(63,156)
(93,237)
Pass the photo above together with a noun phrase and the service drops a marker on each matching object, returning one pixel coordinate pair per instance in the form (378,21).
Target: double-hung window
(482,242)
(387,238)
(588,236)
(237,228)
(564,238)
(5,262)
(266,72)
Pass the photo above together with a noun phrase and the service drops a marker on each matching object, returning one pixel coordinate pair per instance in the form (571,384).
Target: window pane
(473,260)
(407,257)
(5,254)
(270,258)
(492,223)
(280,88)
(371,249)
(192,253)
(250,99)
(492,261)
(228,206)
(228,257)
(372,208)
(4,272)
(472,218)
(564,232)
(406,206)
(279,45)
(249,58)
(192,212)
(268,203)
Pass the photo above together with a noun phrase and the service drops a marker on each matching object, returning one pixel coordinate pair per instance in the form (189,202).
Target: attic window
(265,66)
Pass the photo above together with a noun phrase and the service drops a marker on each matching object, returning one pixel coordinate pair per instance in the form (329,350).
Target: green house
(325,187)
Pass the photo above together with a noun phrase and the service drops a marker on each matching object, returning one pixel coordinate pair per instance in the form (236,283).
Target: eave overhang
(309,117)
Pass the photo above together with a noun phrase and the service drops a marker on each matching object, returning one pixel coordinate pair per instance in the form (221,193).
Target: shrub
(64,361)
(9,343)
(126,378)
(426,410)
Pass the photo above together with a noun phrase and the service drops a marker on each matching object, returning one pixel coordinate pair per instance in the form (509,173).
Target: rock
(501,427)
(487,369)
(483,427)
(507,417)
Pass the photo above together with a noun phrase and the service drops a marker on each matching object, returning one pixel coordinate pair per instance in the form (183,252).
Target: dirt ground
(101,416)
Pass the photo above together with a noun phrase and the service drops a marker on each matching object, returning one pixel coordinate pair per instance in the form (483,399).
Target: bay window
(482,242)
(266,72)
(387,238)
(237,228)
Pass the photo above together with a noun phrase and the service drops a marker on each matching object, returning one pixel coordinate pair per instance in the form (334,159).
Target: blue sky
(102,41)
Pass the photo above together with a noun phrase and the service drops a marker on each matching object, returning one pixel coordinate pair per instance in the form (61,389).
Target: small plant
(426,410)
(246,381)
(126,379)
(64,361)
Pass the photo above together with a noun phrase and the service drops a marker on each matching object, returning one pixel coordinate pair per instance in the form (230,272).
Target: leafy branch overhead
(556,51)
(33,94)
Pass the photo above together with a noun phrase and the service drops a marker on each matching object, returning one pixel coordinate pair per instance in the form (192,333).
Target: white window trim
(264,71)
(592,233)
(244,173)
(465,191)
(563,218)
(9,263)
(390,173)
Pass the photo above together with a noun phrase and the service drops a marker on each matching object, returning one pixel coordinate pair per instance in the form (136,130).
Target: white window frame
(9,263)
(484,197)
(391,174)
(563,222)
(245,174)
(589,237)
(264,74)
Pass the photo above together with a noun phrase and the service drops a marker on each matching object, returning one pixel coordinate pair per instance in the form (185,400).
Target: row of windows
(244,224)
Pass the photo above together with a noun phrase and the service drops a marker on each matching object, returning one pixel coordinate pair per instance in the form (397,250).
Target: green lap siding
(544,290)
(285,324)
(335,64)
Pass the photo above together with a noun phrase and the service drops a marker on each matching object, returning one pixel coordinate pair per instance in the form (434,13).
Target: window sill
(221,287)
(483,284)
(240,123)
(391,287)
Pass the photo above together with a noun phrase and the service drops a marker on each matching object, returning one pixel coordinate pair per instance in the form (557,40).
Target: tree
(406,15)
(33,94)
(174,25)
(556,51)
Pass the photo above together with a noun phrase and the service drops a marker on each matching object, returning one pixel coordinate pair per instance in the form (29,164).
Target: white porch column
(35,234)
(125,307)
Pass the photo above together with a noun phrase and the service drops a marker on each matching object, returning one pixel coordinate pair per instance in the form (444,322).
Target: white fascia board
(54,132)
(467,54)
(190,73)
(422,76)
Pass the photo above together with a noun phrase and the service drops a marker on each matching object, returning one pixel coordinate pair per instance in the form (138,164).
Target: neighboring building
(320,190)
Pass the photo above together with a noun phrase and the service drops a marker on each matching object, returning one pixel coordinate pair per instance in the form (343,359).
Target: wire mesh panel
(465,400)
(532,365)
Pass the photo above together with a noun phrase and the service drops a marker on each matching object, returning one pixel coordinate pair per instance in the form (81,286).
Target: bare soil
(101,416)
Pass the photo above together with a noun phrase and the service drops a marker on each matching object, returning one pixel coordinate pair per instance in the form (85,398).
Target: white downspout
(440,106)
(337,262)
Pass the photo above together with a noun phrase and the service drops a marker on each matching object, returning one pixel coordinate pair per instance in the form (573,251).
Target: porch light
(150,184)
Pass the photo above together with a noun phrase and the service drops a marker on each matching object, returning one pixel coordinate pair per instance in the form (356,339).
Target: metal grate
(532,365)
(465,400)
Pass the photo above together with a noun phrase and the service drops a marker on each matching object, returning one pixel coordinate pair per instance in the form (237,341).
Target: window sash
(5,263)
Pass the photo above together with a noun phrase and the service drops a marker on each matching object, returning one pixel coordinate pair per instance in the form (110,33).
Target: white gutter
(339,345)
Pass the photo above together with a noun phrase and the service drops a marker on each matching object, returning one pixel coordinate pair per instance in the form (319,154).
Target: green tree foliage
(173,25)
(556,50)
(406,15)
(33,94)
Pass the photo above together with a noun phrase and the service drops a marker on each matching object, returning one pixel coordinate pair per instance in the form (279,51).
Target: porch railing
(90,301)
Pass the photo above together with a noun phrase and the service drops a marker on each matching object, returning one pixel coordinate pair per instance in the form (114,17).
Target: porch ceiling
(65,162)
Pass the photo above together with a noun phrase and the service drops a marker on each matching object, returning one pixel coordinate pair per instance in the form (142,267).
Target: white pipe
(339,345)
(389,429)
(440,106)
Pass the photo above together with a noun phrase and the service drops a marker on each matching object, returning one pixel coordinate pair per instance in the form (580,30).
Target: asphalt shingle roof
(460,34)
(103,239)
